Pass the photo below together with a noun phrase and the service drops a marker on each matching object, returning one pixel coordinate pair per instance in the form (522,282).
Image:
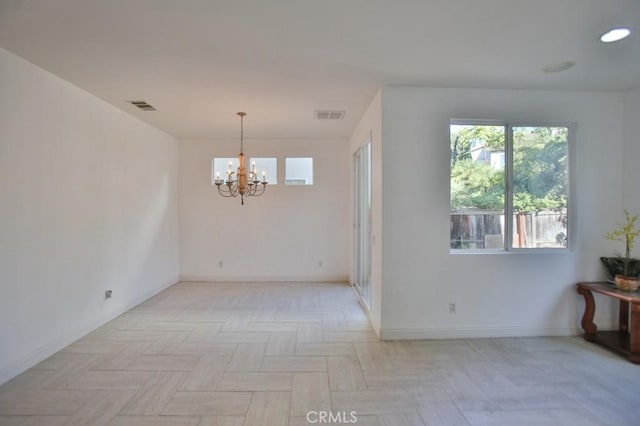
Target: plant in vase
(625,267)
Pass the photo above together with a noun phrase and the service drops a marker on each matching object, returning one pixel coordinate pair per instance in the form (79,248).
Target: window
(266,168)
(221,166)
(298,171)
(509,186)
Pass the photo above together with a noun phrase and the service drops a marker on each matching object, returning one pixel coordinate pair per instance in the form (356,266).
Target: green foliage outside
(539,168)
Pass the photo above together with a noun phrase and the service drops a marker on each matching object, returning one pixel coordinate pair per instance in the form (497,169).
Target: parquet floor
(270,353)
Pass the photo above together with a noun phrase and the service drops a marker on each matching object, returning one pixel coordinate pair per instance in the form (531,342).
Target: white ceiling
(200,61)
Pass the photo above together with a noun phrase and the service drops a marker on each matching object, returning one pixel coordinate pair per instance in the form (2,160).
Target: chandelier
(241,184)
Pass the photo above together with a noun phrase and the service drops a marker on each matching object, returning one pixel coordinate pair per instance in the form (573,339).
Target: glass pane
(366,223)
(220,168)
(362,221)
(540,187)
(266,167)
(298,171)
(477,187)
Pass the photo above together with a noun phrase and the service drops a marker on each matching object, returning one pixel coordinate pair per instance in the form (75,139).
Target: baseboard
(303,278)
(479,332)
(21,365)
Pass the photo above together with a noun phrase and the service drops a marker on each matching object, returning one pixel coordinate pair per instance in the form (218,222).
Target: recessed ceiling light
(558,66)
(615,34)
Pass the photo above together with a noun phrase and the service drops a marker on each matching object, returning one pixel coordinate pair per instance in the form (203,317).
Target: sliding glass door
(362,222)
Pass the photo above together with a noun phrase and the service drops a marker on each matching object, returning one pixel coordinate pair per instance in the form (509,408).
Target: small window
(266,168)
(298,171)
(221,168)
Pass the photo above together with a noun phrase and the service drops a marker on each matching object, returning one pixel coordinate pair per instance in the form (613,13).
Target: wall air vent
(143,105)
(330,115)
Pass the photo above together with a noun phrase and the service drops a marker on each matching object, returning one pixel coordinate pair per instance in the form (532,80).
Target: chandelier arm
(228,190)
(257,191)
(224,193)
(251,189)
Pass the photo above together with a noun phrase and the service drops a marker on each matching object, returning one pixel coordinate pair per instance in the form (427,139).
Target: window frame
(271,183)
(312,170)
(234,160)
(508,171)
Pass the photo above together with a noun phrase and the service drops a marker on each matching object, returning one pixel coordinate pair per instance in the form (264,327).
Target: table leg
(623,317)
(634,334)
(589,310)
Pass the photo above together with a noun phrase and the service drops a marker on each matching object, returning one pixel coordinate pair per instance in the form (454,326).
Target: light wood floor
(268,353)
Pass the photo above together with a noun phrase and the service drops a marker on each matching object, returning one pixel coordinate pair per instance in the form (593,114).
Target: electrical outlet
(220,264)
(107,294)
(452,308)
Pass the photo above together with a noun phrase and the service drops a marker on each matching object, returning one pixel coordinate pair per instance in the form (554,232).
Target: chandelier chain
(241,133)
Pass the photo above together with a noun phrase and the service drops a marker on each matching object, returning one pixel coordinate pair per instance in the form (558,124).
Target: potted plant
(625,269)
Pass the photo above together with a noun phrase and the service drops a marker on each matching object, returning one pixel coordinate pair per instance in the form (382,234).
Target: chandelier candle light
(241,184)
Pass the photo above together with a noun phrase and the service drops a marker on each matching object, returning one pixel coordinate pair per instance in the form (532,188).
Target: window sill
(536,251)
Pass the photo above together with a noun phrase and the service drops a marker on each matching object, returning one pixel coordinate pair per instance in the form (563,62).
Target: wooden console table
(626,340)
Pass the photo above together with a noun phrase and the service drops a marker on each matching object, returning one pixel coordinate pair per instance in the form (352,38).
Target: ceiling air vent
(143,105)
(330,115)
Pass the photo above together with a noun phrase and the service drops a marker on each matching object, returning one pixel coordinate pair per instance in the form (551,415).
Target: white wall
(632,155)
(88,202)
(502,294)
(370,127)
(282,235)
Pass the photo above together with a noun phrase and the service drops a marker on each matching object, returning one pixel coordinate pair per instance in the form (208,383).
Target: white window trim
(265,157)
(508,248)
(313,171)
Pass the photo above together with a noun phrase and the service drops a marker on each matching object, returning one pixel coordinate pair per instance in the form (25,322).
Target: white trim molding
(481,332)
(306,278)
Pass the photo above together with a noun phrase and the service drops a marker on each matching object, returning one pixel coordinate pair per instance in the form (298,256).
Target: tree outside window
(509,186)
